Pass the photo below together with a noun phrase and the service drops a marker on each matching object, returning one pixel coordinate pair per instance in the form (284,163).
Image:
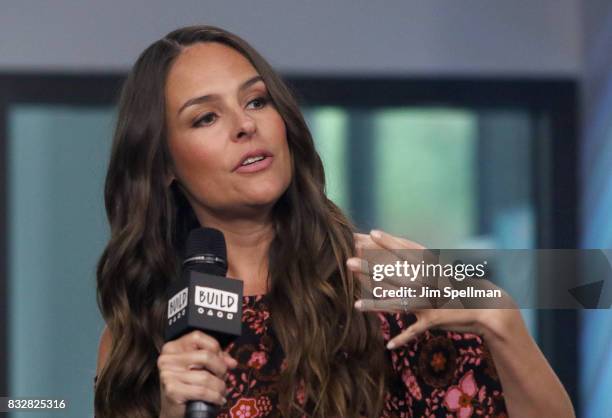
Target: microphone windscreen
(206,241)
(205,251)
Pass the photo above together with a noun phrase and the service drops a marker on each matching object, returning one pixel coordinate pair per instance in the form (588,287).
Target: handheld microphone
(204,299)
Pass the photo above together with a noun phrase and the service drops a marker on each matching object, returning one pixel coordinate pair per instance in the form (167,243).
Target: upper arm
(103,349)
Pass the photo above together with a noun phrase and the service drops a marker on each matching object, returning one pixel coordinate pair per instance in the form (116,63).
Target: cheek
(288,166)
(279,133)
(289,163)
(196,167)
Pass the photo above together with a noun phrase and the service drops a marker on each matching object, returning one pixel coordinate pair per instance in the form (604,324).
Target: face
(226,139)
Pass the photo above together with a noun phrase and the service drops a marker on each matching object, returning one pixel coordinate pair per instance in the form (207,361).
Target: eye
(259,102)
(205,120)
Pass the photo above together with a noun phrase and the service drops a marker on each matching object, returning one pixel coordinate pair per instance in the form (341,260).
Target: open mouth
(254,161)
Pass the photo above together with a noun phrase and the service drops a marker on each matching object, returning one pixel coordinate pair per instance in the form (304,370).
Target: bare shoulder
(103,349)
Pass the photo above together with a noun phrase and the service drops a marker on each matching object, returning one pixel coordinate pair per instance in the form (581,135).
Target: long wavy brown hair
(334,351)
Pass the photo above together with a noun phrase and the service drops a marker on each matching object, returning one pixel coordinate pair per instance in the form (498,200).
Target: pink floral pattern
(459,398)
(257,360)
(245,408)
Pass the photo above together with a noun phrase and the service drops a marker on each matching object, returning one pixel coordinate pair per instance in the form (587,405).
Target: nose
(245,126)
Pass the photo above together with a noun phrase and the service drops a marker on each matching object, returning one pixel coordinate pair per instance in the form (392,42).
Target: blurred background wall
(55,212)
(540,37)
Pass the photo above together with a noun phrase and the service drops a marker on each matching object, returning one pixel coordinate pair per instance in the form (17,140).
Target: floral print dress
(441,374)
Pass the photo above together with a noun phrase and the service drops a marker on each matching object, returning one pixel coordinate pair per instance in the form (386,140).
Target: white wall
(495,37)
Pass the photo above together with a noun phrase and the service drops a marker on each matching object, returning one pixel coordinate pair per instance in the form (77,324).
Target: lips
(254,164)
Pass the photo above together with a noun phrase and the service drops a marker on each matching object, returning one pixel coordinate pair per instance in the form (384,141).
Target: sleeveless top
(439,374)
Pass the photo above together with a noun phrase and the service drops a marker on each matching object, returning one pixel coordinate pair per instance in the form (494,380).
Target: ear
(169,171)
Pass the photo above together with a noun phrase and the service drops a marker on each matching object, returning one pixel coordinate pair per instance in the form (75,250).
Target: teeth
(251,160)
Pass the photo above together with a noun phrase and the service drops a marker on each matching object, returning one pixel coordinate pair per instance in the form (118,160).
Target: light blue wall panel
(57,159)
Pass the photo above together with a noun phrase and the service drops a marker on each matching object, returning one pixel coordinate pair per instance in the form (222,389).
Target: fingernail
(376,233)
(224,401)
(353,263)
(390,345)
(359,304)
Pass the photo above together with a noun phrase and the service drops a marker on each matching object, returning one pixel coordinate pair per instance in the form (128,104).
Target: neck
(248,242)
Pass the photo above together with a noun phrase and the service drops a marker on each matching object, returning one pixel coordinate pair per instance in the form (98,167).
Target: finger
(367,248)
(212,362)
(364,241)
(358,265)
(199,340)
(354,265)
(229,360)
(171,347)
(358,241)
(409,333)
(181,393)
(201,378)
(456,320)
(393,305)
(364,271)
(360,268)
(398,246)
(377,254)
(359,237)
(193,340)
(199,359)
(390,242)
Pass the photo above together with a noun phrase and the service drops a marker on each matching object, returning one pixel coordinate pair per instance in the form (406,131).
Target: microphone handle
(200,409)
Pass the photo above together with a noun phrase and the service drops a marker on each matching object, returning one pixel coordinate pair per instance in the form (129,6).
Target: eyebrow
(209,97)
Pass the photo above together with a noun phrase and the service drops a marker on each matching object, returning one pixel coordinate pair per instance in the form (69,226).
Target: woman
(208,134)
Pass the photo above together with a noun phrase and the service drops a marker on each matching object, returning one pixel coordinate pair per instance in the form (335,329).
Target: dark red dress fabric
(442,374)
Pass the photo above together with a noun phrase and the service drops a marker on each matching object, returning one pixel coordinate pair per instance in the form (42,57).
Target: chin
(263,197)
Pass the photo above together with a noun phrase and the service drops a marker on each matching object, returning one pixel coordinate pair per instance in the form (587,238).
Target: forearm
(531,388)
